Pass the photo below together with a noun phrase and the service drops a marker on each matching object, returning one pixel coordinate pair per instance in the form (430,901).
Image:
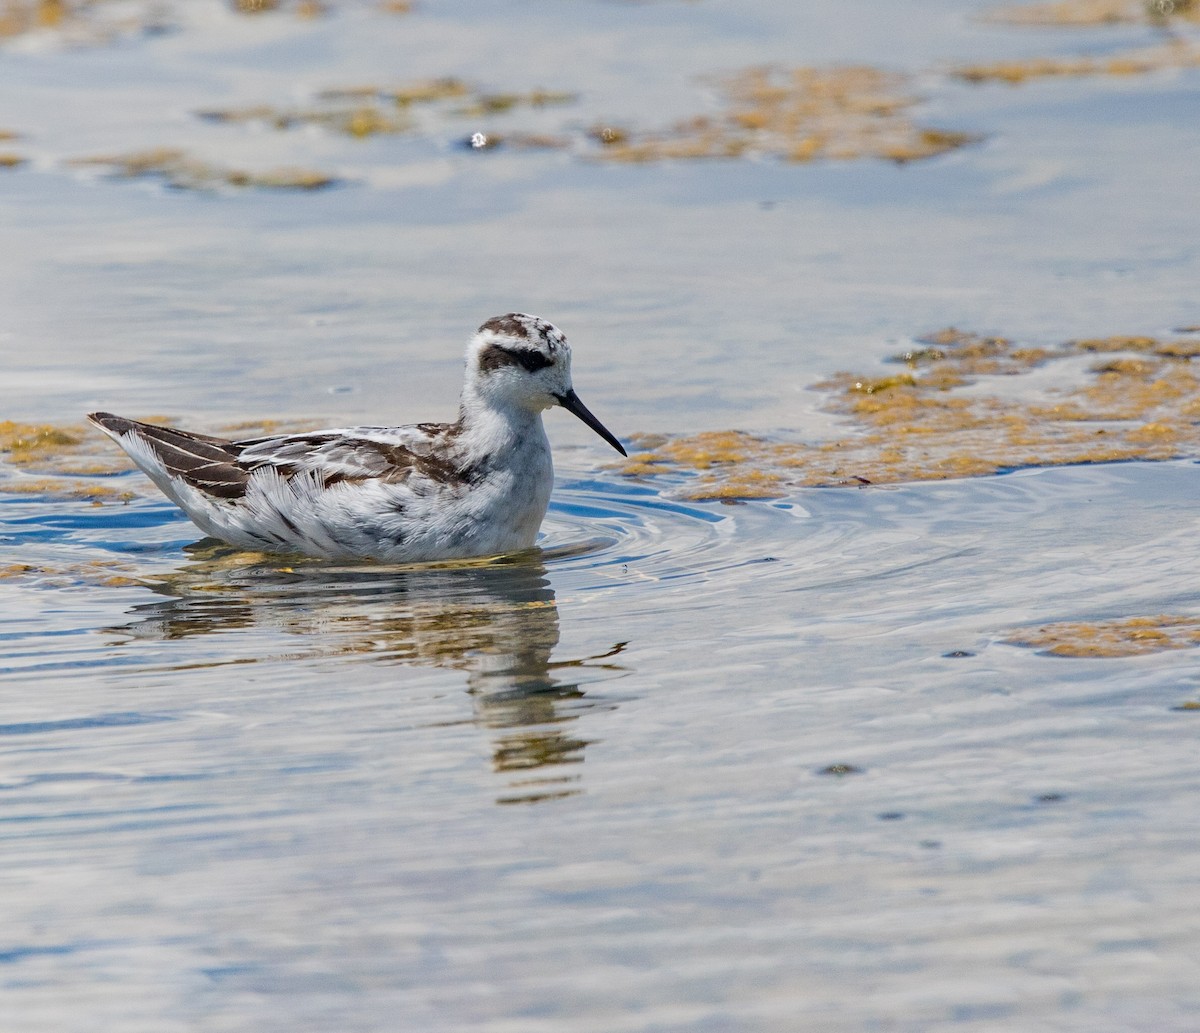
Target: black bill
(570,401)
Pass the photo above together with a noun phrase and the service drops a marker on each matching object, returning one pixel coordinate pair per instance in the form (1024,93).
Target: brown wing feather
(348,456)
(222,468)
(207,463)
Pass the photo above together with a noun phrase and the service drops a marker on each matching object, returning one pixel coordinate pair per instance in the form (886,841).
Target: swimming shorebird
(429,491)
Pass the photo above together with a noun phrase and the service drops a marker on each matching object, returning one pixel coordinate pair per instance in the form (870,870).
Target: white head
(519,361)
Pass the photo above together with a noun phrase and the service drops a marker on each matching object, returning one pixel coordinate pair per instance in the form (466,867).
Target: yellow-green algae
(76,462)
(58,462)
(358,120)
(97,20)
(25,443)
(370,110)
(10,159)
(312,8)
(1095,12)
(1125,636)
(183,172)
(1175,53)
(1141,401)
(21,16)
(797,114)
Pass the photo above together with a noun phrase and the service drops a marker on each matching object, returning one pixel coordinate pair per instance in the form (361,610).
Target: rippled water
(686,767)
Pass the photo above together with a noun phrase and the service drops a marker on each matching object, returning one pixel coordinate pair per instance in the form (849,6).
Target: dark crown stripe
(511,325)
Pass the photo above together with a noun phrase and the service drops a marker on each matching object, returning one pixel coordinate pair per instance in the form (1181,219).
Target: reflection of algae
(93,574)
(177,169)
(55,488)
(799,115)
(1172,54)
(1142,401)
(1095,12)
(1129,636)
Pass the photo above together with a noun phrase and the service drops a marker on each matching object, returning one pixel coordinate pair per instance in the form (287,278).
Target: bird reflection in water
(496,620)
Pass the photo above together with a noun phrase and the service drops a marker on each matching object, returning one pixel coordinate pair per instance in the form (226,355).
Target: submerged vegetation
(9,159)
(1172,54)
(181,171)
(56,462)
(1095,12)
(1110,399)
(361,111)
(795,115)
(799,115)
(76,462)
(99,21)
(1126,636)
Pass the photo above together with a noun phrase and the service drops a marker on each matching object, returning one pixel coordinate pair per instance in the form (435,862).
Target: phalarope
(429,491)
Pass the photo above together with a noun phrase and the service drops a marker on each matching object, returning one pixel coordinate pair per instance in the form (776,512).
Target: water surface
(688,766)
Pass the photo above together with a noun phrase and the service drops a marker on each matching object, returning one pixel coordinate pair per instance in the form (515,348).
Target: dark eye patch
(497,357)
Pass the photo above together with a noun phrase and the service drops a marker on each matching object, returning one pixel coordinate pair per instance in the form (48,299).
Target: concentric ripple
(601,531)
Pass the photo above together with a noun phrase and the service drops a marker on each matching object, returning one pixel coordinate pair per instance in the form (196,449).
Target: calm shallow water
(689,766)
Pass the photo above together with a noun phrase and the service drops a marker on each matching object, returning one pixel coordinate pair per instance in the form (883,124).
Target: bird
(423,492)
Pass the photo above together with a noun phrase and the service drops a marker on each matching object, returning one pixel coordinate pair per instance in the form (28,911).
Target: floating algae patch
(301,8)
(1095,12)
(359,120)
(23,444)
(938,419)
(317,8)
(1175,53)
(56,462)
(101,21)
(1128,636)
(86,22)
(737,465)
(799,115)
(182,172)
(10,159)
(496,103)
(77,462)
(246,429)
(18,17)
(362,111)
